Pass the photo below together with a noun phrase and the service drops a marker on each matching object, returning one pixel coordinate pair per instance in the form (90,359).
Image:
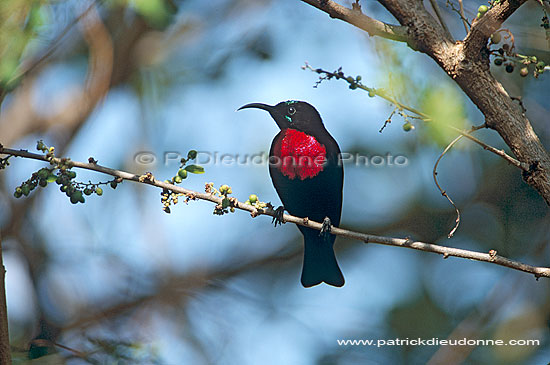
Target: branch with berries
(223,202)
(402,110)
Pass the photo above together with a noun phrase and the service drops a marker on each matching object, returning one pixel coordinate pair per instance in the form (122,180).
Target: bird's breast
(298,155)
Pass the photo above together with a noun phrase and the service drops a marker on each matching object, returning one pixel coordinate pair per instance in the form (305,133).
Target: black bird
(307,173)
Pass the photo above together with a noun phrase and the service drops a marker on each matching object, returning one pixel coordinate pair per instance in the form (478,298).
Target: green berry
(353,86)
(358,78)
(99,191)
(25,189)
(349,79)
(43,183)
(509,68)
(371,94)
(177,179)
(498,61)
(482,9)
(70,190)
(17,194)
(182,173)
(524,72)
(408,127)
(87,191)
(76,196)
(191,155)
(541,64)
(253,198)
(43,174)
(225,203)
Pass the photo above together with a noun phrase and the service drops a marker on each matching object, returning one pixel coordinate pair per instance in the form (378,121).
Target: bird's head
(293,114)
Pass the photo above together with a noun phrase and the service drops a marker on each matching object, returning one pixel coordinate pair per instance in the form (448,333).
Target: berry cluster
(64,177)
(4,161)
(255,202)
(169,197)
(511,60)
(227,204)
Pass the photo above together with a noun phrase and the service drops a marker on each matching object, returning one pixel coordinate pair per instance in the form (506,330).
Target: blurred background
(118,279)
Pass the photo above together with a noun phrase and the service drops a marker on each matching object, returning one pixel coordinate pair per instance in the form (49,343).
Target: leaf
(445,104)
(195,169)
(51,178)
(157,12)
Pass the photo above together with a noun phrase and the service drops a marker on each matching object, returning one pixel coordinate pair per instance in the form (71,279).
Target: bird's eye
(291,110)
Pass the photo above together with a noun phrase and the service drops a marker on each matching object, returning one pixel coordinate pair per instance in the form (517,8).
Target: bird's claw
(278,218)
(326,228)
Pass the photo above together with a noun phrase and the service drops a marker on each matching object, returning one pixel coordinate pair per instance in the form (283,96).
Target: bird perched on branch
(306,170)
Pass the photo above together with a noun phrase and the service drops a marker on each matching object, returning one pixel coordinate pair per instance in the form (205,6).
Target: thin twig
(381,93)
(492,149)
(422,116)
(490,257)
(460,13)
(463,17)
(443,192)
(440,17)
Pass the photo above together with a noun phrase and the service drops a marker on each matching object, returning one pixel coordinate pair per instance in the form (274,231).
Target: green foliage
(20,22)
(445,105)
(157,13)
(194,169)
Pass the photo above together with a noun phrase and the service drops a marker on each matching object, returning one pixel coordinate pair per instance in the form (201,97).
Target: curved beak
(272,110)
(266,107)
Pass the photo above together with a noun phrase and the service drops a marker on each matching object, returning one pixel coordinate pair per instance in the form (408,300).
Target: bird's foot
(326,228)
(278,218)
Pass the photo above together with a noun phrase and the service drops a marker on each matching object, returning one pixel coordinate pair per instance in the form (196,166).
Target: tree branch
(5,353)
(467,63)
(422,116)
(355,17)
(490,257)
(482,28)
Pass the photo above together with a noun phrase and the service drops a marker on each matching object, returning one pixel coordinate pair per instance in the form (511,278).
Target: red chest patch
(299,155)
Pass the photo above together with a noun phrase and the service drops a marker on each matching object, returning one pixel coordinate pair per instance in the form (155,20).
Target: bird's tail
(319,260)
